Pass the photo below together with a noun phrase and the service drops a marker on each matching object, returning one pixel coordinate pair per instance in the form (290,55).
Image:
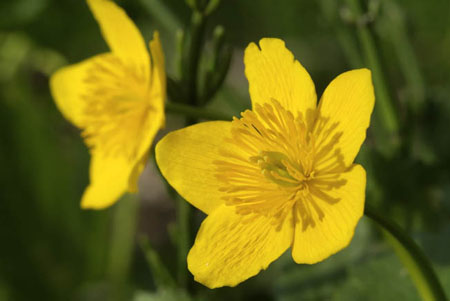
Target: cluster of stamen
(272,167)
(116,106)
(276,167)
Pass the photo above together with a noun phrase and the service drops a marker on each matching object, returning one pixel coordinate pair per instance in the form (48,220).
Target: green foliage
(52,250)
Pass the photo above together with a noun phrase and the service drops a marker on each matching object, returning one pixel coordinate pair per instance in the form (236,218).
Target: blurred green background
(52,250)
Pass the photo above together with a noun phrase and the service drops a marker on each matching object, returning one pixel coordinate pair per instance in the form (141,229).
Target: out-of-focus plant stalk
(179,51)
(122,244)
(191,48)
(160,12)
(412,257)
(384,101)
(218,66)
(384,110)
(190,75)
(397,35)
(344,36)
(162,278)
(184,213)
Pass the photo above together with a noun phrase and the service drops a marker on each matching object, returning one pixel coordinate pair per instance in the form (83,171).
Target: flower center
(271,161)
(276,161)
(116,107)
(276,167)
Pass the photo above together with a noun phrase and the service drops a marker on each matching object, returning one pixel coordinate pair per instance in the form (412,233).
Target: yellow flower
(280,176)
(117,100)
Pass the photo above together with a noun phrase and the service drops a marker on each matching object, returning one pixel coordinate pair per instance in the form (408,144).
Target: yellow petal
(346,106)
(109,176)
(148,131)
(121,34)
(185,158)
(231,248)
(273,73)
(112,174)
(68,85)
(138,168)
(335,230)
(158,71)
(156,118)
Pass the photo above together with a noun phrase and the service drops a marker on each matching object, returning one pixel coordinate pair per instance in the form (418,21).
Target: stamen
(116,107)
(275,169)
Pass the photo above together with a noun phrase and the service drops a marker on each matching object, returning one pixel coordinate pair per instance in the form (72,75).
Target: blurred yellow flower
(280,176)
(117,100)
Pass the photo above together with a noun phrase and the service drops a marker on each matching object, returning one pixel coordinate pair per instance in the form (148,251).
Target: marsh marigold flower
(280,176)
(117,100)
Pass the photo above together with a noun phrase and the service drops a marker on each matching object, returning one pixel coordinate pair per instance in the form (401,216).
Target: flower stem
(384,110)
(195,113)
(383,98)
(184,212)
(418,265)
(408,64)
(343,33)
(190,76)
(122,244)
(160,12)
(161,275)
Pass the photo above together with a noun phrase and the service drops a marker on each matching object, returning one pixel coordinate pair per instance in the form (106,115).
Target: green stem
(384,101)
(191,75)
(184,212)
(161,275)
(418,265)
(397,33)
(386,111)
(122,244)
(196,113)
(182,236)
(330,11)
(161,13)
